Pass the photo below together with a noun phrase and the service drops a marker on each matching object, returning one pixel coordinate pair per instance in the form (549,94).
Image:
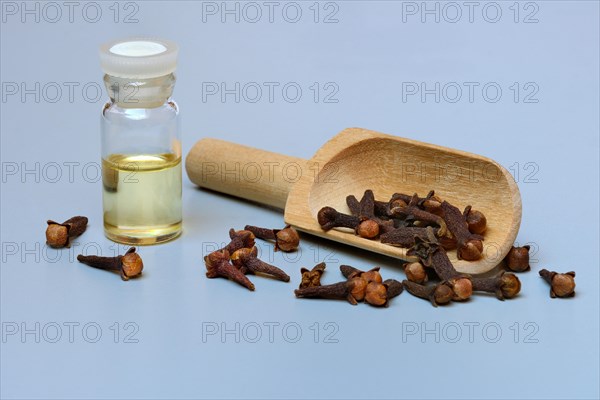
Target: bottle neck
(139,93)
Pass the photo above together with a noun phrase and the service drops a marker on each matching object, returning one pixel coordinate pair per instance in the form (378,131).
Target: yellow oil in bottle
(141,197)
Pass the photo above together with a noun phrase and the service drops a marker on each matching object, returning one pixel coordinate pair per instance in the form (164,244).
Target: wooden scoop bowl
(356,160)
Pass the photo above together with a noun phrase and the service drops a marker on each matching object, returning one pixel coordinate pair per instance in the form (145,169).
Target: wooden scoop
(356,160)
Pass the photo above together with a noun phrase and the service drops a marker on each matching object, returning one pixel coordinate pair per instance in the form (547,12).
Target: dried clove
(470,246)
(348,290)
(353,204)
(517,259)
(404,236)
(412,210)
(462,288)
(60,235)
(476,221)
(415,272)
(561,285)
(239,240)
(247,261)
(128,265)
(504,286)
(371,275)
(432,255)
(329,218)
(379,207)
(438,294)
(371,225)
(312,277)
(218,265)
(368,229)
(359,288)
(432,203)
(286,239)
(378,294)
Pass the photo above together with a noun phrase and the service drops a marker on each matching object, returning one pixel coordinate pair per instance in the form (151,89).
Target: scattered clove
(462,287)
(504,286)
(218,265)
(517,259)
(415,272)
(438,294)
(286,239)
(312,277)
(378,294)
(128,265)
(60,235)
(247,262)
(561,285)
(371,275)
(347,290)
(239,240)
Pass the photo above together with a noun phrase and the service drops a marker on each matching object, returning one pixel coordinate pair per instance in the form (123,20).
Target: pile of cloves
(239,258)
(402,218)
(450,284)
(367,286)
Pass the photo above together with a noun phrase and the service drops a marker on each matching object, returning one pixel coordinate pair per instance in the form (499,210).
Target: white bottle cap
(138,57)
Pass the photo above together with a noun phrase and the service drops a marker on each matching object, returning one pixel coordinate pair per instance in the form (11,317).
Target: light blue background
(368,54)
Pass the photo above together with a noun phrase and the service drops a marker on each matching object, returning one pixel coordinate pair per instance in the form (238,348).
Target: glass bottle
(141,146)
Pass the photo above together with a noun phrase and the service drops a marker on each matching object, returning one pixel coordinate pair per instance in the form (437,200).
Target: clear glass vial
(141,146)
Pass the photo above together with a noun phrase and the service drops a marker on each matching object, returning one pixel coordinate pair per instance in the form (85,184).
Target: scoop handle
(242,171)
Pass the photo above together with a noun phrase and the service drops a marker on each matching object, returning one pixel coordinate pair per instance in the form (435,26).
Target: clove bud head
(472,250)
(443,294)
(376,294)
(510,285)
(563,285)
(287,239)
(476,221)
(326,216)
(517,259)
(239,257)
(131,265)
(368,229)
(415,272)
(312,277)
(57,235)
(358,288)
(462,288)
